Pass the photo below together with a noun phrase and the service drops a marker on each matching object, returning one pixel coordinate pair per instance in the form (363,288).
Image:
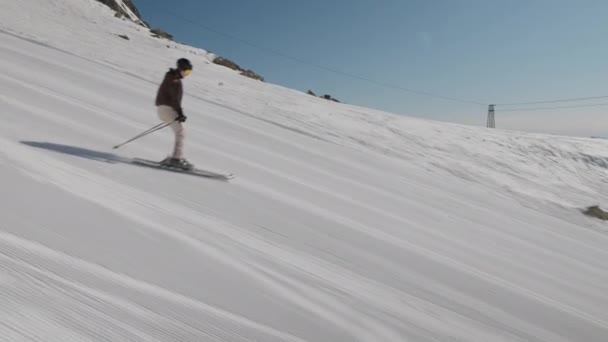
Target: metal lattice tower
(491,122)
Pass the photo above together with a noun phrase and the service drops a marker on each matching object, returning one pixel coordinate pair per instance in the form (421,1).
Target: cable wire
(546,108)
(553,101)
(319,66)
(385,84)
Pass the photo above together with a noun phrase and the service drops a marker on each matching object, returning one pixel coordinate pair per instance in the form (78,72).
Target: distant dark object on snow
(158,33)
(326,96)
(123,36)
(596,212)
(252,74)
(227,63)
(330,98)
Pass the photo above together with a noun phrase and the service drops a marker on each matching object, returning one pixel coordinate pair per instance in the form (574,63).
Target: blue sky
(487,51)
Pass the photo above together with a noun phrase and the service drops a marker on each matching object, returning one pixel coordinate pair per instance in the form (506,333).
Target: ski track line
(196,144)
(350,164)
(60,120)
(404,244)
(77,302)
(77,102)
(98,110)
(122,200)
(95,109)
(382,150)
(377,296)
(68,99)
(80,127)
(21,250)
(118,204)
(42,113)
(412,312)
(451,299)
(132,86)
(332,276)
(425,233)
(128,202)
(374,233)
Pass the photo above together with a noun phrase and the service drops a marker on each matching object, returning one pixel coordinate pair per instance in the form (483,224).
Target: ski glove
(181,117)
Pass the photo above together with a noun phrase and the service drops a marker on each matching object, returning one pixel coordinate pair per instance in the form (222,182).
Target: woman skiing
(169,108)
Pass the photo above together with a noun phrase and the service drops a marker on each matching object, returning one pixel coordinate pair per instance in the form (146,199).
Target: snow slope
(343,224)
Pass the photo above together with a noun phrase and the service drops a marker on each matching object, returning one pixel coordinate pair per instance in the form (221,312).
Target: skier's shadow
(79,152)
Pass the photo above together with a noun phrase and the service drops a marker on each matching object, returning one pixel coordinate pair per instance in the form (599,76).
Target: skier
(169,108)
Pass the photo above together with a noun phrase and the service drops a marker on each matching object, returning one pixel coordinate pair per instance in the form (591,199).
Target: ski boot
(176,163)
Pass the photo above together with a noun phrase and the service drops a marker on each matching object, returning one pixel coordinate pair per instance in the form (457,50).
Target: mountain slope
(343,223)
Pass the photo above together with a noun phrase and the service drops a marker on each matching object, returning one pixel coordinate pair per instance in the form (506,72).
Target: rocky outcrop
(232,65)
(252,74)
(227,63)
(329,98)
(124,8)
(158,33)
(326,96)
(597,212)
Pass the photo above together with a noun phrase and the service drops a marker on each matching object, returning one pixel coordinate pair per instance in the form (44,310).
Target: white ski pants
(168,114)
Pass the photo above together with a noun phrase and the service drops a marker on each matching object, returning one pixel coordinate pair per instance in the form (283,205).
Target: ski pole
(146,132)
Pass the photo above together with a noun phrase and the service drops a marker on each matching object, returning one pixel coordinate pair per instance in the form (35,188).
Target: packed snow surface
(342,224)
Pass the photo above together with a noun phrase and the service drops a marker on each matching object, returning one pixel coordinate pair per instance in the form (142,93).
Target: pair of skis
(158,165)
(194,171)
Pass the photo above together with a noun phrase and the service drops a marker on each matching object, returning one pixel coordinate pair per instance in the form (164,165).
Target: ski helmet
(183,64)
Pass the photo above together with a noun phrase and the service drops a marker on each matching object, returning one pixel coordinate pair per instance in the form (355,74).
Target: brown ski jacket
(170,91)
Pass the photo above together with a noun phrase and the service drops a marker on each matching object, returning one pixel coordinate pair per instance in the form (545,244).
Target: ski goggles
(187,72)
